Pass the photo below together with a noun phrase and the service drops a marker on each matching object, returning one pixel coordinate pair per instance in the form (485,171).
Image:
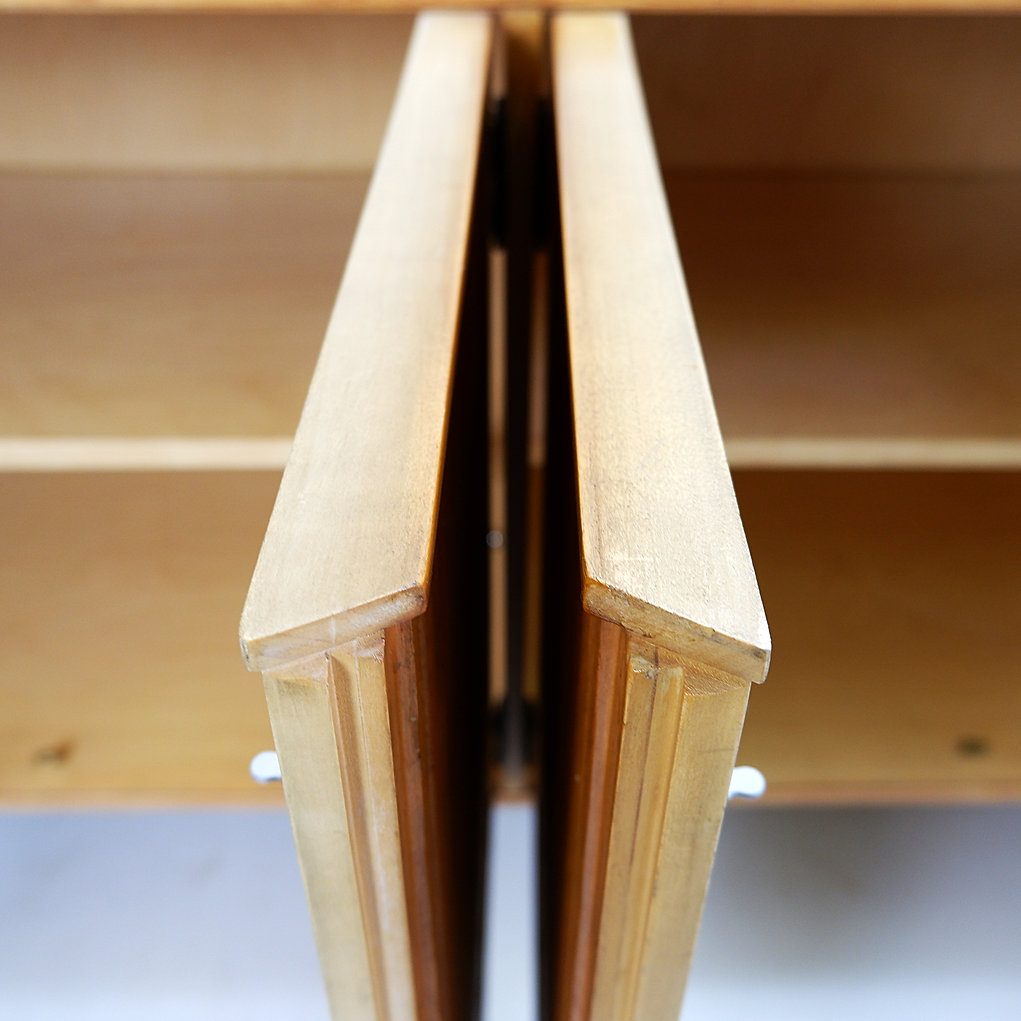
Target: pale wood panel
(360,685)
(894,601)
(147,306)
(653,739)
(158,453)
(857,320)
(325,806)
(662,548)
(256,92)
(836,93)
(369,449)
(121,681)
(693,720)
(208,93)
(655,724)
(840,452)
(350,552)
(365,740)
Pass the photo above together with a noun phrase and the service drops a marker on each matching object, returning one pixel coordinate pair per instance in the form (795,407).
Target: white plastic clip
(746,782)
(265,768)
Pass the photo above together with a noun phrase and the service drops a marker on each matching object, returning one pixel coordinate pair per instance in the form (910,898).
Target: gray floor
(835,914)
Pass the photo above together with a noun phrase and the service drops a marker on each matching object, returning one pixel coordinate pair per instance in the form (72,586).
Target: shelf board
(159,453)
(184,306)
(893,602)
(858,321)
(122,679)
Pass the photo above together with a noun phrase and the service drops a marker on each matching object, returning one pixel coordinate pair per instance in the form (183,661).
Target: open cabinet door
(661,630)
(367,610)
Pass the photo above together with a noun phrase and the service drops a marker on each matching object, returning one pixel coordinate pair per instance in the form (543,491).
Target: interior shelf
(122,680)
(142,306)
(895,598)
(866,320)
(847,320)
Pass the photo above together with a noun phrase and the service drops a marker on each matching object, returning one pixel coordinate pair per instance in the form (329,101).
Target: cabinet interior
(178,193)
(846,196)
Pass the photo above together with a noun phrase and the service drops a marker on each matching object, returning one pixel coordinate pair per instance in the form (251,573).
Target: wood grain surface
(348,547)
(207,93)
(838,94)
(165,306)
(897,596)
(325,806)
(858,320)
(662,548)
(137,579)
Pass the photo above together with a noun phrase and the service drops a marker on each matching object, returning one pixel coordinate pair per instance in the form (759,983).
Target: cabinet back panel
(842,92)
(196,92)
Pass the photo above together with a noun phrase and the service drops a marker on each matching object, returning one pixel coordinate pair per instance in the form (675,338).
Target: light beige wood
(858,320)
(104,453)
(663,552)
(210,93)
(654,737)
(679,740)
(840,94)
(663,557)
(897,595)
(367,769)
(873,453)
(364,741)
(138,579)
(369,449)
(165,306)
(303,707)
(372,724)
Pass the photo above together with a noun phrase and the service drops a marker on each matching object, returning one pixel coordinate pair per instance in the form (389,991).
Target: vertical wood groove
(648,744)
(302,716)
(655,744)
(594,768)
(406,659)
(358,678)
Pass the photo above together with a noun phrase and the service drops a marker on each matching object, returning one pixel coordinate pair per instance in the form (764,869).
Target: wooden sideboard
(179,188)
